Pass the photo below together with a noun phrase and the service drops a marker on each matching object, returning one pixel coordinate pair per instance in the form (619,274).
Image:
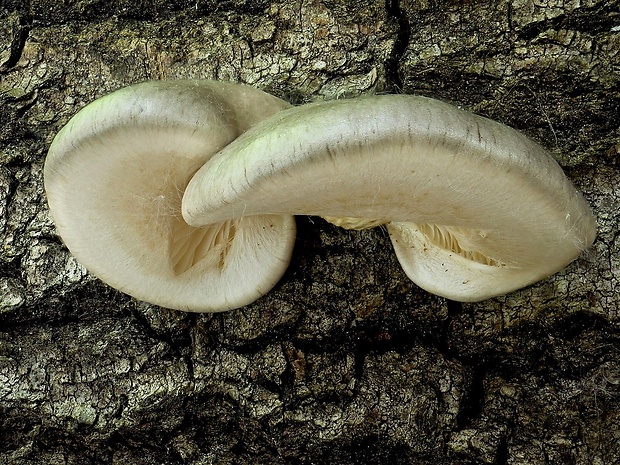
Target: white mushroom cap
(474,208)
(115,176)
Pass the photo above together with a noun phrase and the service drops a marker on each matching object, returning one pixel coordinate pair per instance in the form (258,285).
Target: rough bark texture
(346,361)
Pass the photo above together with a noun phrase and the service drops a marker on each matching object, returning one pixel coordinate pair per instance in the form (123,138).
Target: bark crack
(18,42)
(392,69)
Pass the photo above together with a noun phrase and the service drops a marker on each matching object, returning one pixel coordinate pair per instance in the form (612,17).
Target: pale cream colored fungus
(115,176)
(474,208)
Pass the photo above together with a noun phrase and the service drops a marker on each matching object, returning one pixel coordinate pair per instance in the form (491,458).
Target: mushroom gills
(350,222)
(190,245)
(461,241)
(440,263)
(464,242)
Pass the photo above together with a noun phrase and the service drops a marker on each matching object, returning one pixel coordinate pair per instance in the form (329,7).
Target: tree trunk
(346,361)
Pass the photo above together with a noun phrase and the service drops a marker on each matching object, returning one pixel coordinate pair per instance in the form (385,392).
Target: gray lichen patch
(12,294)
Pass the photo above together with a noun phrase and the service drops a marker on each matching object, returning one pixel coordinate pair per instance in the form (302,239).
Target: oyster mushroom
(474,208)
(115,176)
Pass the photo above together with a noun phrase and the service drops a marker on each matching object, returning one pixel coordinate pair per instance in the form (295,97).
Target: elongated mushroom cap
(114,178)
(474,208)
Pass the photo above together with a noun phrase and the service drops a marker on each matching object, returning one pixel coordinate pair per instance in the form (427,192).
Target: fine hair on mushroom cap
(474,208)
(115,176)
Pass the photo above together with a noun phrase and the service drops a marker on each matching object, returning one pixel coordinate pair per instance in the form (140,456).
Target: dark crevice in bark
(19,42)
(473,400)
(359,358)
(442,342)
(502,452)
(454,309)
(592,21)
(177,345)
(392,72)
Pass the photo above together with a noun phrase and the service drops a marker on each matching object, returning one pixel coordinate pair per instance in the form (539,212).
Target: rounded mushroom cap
(474,208)
(115,176)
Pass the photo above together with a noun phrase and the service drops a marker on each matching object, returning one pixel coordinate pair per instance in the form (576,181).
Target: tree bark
(346,361)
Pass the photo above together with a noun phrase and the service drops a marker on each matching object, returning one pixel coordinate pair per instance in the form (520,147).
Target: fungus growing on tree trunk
(183,193)
(474,208)
(115,176)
